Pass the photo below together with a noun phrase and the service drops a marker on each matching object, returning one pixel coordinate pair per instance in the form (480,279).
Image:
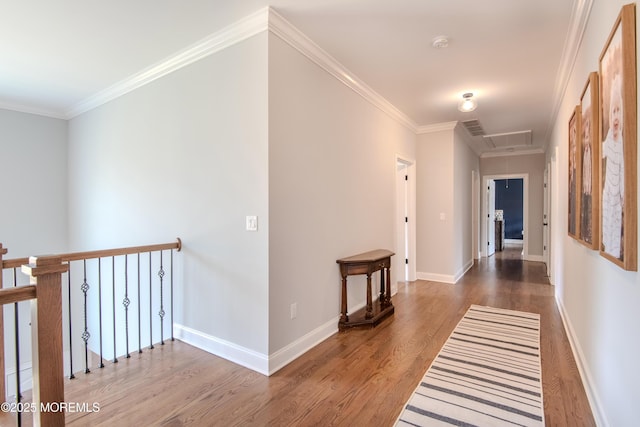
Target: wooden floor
(354,378)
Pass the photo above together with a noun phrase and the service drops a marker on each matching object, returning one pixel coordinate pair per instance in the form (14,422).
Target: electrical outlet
(294,310)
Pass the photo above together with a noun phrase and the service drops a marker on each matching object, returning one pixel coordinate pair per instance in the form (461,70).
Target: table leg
(369,313)
(343,316)
(382,298)
(388,296)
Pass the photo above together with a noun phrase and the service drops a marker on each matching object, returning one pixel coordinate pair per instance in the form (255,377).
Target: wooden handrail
(15,263)
(76,256)
(17,294)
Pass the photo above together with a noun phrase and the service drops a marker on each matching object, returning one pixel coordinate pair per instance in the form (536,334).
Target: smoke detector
(440,42)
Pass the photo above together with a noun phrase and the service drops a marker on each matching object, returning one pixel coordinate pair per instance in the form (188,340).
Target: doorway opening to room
(509,217)
(505,224)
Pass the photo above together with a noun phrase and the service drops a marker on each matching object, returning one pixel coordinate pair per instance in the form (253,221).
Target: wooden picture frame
(589,151)
(573,219)
(618,143)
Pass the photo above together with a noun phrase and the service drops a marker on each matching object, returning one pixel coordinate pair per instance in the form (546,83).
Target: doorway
(489,213)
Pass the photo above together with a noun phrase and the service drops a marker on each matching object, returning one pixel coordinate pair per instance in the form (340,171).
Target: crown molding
(31,110)
(577,27)
(436,127)
(228,36)
(282,28)
(264,19)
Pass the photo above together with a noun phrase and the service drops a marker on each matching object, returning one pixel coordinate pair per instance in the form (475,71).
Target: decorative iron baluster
(139,315)
(113,300)
(85,334)
(17,344)
(71,376)
(172,338)
(100,308)
(161,313)
(126,302)
(150,306)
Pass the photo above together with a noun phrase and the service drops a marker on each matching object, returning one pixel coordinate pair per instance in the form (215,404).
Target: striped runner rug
(488,373)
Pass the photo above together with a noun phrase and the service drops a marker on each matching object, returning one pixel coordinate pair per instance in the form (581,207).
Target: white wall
(444,204)
(598,299)
(435,206)
(33,217)
(532,165)
(186,156)
(34,172)
(332,163)
(465,161)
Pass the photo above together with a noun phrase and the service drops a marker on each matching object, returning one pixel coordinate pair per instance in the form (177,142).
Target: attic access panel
(521,139)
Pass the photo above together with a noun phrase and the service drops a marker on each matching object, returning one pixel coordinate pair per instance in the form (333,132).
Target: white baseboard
(535,258)
(434,277)
(585,375)
(445,278)
(289,353)
(26,380)
(266,365)
(463,270)
(227,350)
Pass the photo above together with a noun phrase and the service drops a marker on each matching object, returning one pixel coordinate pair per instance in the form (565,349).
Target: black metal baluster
(113,300)
(139,315)
(100,307)
(85,334)
(126,302)
(172,338)
(161,313)
(150,306)
(17,344)
(71,376)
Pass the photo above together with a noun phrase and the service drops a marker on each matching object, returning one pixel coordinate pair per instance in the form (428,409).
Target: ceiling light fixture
(467,103)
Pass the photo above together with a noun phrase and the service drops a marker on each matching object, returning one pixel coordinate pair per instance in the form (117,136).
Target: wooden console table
(367,263)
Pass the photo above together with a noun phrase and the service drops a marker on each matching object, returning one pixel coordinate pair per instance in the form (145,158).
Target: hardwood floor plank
(356,377)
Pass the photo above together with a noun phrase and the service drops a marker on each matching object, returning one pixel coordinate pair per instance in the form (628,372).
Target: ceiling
(512,54)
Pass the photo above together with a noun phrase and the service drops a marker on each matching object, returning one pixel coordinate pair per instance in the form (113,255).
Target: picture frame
(573,220)
(618,143)
(589,151)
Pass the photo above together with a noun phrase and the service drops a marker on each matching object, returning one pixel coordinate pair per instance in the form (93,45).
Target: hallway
(354,378)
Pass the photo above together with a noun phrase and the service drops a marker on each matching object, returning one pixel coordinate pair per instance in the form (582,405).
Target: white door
(402,250)
(545,221)
(491,215)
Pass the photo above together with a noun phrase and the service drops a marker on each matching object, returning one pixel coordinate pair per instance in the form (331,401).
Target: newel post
(3,397)
(46,319)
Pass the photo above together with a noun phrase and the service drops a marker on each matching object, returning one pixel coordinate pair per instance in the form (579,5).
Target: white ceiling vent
(473,127)
(509,140)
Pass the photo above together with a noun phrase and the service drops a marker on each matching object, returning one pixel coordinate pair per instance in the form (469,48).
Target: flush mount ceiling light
(467,103)
(440,42)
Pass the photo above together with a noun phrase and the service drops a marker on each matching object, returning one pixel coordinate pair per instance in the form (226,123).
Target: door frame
(525,210)
(410,209)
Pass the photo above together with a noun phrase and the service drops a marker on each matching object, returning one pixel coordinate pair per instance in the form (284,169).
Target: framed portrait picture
(618,144)
(574,173)
(589,152)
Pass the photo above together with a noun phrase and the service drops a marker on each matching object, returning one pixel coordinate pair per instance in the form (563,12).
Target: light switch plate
(252,223)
